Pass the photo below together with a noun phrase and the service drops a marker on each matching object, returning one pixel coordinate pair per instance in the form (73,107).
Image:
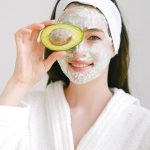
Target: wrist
(14,92)
(17,83)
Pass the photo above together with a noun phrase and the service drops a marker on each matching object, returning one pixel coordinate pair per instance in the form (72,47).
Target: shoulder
(141,114)
(136,118)
(133,111)
(137,108)
(136,111)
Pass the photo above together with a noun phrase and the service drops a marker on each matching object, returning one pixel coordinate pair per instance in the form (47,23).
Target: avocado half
(74,40)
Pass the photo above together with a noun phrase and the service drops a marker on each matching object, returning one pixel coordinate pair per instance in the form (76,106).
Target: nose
(78,54)
(79,50)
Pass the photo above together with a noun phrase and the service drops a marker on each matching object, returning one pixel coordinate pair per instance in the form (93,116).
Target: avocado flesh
(72,41)
(60,36)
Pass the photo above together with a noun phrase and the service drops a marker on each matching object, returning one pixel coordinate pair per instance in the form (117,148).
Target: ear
(113,51)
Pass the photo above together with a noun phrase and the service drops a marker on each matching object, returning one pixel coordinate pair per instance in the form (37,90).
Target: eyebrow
(93,29)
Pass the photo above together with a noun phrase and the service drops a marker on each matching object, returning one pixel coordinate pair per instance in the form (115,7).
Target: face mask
(88,60)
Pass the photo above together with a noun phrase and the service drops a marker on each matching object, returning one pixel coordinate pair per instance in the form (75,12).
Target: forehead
(74,4)
(84,16)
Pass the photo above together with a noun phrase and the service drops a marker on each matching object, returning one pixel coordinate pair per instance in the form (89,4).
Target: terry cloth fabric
(110,11)
(45,124)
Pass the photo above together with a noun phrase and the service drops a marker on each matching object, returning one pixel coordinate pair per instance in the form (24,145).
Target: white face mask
(88,60)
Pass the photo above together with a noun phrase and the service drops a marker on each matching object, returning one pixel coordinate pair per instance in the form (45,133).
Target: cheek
(101,53)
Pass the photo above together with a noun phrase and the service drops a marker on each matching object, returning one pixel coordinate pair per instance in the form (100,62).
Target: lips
(80,65)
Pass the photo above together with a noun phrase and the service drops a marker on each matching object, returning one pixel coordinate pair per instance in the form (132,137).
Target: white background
(18,13)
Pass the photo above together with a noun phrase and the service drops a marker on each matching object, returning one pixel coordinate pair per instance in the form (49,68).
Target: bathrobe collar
(59,119)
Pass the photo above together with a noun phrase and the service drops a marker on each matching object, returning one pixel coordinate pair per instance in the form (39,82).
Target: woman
(86,106)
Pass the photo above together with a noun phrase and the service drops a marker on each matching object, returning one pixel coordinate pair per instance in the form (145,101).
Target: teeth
(80,65)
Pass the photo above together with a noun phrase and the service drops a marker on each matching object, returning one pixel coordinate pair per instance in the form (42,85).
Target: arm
(29,69)
(13,93)
(14,127)
(30,66)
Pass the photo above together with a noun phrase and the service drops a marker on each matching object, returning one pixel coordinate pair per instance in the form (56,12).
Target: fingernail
(53,21)
(42,25)
(65,52)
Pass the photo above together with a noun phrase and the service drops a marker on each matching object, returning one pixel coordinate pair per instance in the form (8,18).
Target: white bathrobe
(45,124)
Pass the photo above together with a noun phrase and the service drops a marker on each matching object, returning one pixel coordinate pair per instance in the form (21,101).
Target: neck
(89,95)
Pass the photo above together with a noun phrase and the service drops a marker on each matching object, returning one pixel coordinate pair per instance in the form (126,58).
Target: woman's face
(91,58)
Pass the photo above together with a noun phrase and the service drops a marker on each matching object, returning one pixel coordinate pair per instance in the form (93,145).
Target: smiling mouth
(79,66)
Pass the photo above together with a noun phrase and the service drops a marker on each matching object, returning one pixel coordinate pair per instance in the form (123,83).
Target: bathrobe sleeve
(14,127)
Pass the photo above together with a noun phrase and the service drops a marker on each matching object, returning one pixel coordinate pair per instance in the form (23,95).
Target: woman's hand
(30,66)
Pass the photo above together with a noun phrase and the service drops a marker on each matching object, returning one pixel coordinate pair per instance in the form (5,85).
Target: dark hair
(118,67)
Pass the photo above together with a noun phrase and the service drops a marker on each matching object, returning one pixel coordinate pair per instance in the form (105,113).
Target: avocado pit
(60,36)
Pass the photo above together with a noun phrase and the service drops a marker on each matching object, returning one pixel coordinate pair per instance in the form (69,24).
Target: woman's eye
(94,38)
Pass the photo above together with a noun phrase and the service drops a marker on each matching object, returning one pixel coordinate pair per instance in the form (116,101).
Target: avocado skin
(77,38)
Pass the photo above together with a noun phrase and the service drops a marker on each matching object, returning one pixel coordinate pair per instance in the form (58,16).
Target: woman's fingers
(23,34)
(49,22)
(52,58)
(28,35)
(32,31)
(37,27)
